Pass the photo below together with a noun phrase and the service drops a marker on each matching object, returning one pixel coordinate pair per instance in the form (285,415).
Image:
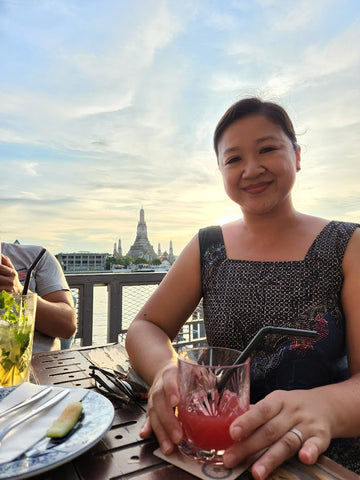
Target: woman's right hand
(162,400)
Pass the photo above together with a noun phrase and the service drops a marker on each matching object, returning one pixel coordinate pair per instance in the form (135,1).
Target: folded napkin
(25,435)
(199,469)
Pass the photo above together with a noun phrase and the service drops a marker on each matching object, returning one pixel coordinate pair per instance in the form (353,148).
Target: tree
(140,260)
(109,261)
(125,261)
(156,261)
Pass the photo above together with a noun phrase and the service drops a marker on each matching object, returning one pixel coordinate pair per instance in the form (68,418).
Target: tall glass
(213,392)
(17,323)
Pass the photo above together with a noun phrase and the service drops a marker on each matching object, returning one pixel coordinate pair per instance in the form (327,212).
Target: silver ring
(298,434)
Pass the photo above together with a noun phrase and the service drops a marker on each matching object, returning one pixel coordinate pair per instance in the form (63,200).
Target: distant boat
(142,268)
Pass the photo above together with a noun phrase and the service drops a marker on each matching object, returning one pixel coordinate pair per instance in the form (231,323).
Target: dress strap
(208,237)
(332,240)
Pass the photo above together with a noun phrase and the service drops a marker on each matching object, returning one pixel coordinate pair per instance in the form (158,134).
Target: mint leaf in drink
(6,299)
(15,335)
(9,309)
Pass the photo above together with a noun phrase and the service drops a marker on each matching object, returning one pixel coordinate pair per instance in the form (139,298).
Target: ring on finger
(297,432)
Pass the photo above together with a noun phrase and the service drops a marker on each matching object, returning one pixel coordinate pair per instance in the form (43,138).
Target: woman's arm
(149,338)
(160,319)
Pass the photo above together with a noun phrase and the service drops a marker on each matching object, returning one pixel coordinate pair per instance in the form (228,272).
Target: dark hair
(254,106)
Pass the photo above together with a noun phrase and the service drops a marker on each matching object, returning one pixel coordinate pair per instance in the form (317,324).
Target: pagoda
(142,247)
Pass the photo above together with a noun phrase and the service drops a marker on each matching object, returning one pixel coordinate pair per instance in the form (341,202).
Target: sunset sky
(110,105)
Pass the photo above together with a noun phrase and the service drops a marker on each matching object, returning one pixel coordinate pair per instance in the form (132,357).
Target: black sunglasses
(115,384)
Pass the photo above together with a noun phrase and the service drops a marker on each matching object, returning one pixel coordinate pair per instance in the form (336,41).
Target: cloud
(30,168)
(103,110)
(284,16)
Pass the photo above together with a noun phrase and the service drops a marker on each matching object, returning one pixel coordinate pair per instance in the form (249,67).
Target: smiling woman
(274,266)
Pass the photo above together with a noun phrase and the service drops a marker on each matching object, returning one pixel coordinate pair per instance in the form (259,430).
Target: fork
(56,398)
(27,401)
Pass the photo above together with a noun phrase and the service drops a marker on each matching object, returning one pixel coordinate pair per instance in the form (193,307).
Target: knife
(29,400)
(55,399)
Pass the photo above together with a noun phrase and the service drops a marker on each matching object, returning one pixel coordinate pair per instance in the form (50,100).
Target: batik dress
(241,296)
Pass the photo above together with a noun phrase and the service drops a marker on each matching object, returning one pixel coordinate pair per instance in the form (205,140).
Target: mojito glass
(17,323)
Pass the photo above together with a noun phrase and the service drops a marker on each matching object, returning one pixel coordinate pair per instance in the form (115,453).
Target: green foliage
(15,335)
(109,261)
(8,310)
(125,261)
(156,261)
(140,260)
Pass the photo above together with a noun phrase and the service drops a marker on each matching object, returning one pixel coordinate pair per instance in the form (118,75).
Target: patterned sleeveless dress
(241,296)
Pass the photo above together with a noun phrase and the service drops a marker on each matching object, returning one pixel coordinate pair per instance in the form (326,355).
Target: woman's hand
(163,397)
(267,425)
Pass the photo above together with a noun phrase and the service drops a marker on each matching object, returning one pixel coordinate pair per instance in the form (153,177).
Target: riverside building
(88,261)
(82,261)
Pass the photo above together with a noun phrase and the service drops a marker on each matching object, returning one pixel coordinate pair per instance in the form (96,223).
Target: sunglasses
(116,384)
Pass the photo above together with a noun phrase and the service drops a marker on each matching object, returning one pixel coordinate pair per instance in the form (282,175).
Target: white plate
(98,417)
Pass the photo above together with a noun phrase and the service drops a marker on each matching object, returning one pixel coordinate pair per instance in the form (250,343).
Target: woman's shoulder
(327,226)
(354,240)
(212,231)
(341,228)
(211,235)
(211,239)
(334,238)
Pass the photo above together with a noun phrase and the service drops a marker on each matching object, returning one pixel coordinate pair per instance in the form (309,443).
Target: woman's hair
(254,106)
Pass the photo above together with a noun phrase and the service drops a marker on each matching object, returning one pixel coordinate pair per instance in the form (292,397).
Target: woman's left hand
(268,425)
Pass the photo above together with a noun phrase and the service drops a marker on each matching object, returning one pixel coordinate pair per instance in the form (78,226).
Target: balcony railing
(126,293)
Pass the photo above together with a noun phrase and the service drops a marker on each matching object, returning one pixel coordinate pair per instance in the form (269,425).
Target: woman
(275,266)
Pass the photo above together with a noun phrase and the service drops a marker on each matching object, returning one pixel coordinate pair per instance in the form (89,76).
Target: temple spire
(142,246)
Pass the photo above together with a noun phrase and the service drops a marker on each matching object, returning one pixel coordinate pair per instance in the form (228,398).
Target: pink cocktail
(204,412)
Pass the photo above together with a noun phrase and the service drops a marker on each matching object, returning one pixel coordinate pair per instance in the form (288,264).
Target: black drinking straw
(290,332)
(31,269)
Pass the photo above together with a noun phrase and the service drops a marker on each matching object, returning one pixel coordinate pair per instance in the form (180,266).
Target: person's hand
(9,279)
(163,397)
(267,426)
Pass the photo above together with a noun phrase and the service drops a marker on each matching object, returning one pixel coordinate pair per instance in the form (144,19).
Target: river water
(133,299)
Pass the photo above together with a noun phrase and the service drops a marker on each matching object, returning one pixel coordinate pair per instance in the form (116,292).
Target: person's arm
(56,315)
(160,319)
(320,414)
(148,342)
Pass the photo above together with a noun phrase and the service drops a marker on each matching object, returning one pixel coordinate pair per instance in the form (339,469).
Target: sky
(107,106)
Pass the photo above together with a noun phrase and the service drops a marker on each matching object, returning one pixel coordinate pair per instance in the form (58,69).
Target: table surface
(121,453)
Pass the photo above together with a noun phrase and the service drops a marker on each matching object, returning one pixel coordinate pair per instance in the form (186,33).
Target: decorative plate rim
(99,415)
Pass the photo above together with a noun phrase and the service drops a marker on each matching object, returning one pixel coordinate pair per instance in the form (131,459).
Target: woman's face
(258,164)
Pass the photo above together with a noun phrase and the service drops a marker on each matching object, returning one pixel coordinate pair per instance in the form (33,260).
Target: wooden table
(121,453)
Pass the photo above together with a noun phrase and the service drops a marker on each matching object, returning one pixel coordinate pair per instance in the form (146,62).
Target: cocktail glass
(213,392)
(17,322)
